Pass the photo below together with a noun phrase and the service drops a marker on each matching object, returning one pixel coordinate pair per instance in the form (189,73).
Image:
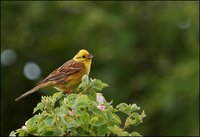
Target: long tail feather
(28,92)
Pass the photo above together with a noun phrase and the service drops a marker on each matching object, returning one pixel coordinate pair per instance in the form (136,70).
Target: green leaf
(71,97)
(71,124)
(116,119)
(13,133)
(104,85)
(134,107)
(59,111)
(85,78)
(109,115)
(137,119)
(57,95)
(82,86)
(81,101)
(98,85)
(21,132)
(61,121)
(123,107)
(92,95)
(143,114)
(31,124)
(49,121)
(51,131)
(69,101)
(135,134)
(85,82)
(102,130)
(118,131)
(98,112)
(81,131)
(85,117)
(40,106)
(93,120)
(100,121)
(129,121)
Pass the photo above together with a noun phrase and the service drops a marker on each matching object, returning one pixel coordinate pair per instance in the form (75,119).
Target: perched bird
(66,77)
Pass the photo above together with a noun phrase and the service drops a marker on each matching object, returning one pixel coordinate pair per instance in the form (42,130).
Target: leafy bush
(84,113)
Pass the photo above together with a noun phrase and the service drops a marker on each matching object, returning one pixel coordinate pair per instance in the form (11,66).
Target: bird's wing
(67,69)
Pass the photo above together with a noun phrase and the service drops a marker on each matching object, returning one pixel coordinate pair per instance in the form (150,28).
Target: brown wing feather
(67,69)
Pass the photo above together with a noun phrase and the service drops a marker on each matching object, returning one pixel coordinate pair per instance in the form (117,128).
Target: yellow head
(85,57)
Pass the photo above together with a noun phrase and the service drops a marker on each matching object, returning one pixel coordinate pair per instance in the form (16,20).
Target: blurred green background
(148,52)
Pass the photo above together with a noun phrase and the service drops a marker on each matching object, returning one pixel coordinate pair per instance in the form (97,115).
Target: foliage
(81,114)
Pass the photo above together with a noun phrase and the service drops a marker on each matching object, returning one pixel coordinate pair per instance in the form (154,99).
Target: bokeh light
(184,24)
(32,71)
(8,57)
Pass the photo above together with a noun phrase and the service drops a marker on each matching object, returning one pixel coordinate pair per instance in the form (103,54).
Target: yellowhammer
(67,76)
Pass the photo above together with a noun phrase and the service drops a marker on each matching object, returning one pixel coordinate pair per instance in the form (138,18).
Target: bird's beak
(90,56)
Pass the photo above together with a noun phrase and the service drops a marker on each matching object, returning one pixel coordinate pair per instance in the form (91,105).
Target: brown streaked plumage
(66,77)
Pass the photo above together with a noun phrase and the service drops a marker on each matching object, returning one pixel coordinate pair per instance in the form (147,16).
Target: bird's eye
(83,56)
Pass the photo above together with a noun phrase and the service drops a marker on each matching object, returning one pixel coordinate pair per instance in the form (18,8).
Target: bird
(67,76)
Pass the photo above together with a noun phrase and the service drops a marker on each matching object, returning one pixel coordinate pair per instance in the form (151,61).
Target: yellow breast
(87,65)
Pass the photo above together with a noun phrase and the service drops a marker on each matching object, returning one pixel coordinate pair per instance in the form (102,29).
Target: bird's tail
(28,92)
